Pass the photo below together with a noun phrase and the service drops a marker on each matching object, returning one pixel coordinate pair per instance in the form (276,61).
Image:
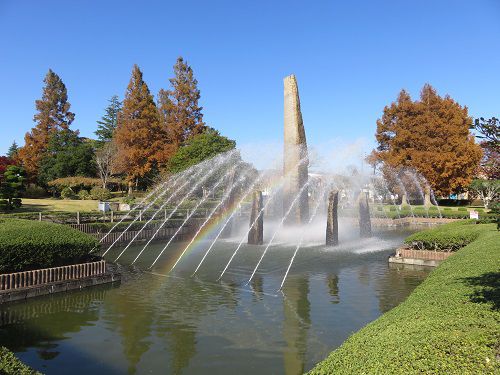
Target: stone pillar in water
(229,205)
(256,234)
(295,162)
(427,197)
(332,222)
(365,225)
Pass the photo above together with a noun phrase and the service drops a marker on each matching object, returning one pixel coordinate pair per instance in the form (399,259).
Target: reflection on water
(155,322)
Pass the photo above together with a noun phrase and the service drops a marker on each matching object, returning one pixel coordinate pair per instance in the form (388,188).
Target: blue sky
(351,58)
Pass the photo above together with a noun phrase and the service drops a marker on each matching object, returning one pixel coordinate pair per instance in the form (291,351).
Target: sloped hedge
(449,237)
(10,365)
(26,245)
(448,325)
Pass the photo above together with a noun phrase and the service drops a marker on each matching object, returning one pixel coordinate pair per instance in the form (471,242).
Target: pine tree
(13,150)
(107,125)
(178,107)
(142,143)
(431,136)
(53,116)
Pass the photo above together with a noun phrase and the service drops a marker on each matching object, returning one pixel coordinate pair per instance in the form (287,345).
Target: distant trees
(109,121)
(53,116)
(487,190)
(430,135)
(141,140)
(179,110)
(489,131)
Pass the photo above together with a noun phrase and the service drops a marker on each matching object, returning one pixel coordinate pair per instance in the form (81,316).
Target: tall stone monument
(365,224)
(256,233)
(332,220)
(295,161)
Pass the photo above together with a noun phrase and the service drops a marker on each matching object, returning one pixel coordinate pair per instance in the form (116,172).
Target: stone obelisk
(295,162)
(365,225)
(332,220)
(256,233)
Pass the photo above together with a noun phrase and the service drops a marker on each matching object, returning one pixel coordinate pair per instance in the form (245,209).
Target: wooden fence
(25,279)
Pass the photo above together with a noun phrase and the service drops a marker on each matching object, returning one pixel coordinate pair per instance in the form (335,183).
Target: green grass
(450,324)
(26,245)
(10,365)
(41,205)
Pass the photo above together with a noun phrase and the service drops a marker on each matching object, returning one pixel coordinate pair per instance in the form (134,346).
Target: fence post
(112,216)
(165,214)
(78,217)
(39,216)
(140,215)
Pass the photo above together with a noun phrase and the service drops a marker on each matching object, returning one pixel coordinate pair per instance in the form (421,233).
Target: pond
(160,322)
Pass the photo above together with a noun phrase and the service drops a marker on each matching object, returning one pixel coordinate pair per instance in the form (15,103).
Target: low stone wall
(419,257)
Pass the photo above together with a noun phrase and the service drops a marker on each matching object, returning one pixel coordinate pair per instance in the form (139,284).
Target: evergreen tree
(13,150)
(107,125)
(141,141)
(53,116)
(178,107)
(431,136)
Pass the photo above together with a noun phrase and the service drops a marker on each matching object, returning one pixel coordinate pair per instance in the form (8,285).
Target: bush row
(26,245)
(448,325)
(450,237)
(10,365)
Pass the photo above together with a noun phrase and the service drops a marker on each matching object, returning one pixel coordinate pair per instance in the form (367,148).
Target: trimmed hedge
(448,325)
(10,365)
(26,245)
(449,237)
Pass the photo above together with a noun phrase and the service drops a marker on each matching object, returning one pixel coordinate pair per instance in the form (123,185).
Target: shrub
(34,191)
(10,365)
(67,193)
(100,193)
(448,237)
(26,245)
(448,325)
(84,195)
(392,208)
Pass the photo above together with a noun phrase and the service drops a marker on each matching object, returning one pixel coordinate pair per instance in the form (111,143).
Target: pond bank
(449,324)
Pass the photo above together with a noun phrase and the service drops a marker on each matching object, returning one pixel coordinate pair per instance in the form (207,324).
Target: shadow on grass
(487,289)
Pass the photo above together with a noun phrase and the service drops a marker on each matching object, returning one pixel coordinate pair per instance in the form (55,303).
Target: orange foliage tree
(430,135)
(178,107)
(142,141)
(53,116)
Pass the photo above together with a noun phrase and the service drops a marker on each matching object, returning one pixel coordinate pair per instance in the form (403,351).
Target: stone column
(332,223)
(256,234)
(228,205)
(295,162)
(365,225)
(427,196)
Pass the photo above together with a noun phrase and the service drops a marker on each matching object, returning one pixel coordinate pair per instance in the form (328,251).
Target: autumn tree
(431,136)
(109,121)
(179,110)
(53,115)
(141,140)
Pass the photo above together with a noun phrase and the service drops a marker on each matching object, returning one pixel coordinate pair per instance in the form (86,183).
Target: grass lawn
(40,205)
(450,324)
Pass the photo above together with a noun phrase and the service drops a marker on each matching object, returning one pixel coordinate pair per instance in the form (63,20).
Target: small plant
(34,191)
(84,195)
(100,193)
(462,209)
(67,193)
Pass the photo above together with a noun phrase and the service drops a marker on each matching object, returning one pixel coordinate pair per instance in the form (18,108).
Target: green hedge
(449,237)
(448,325)
(26,245)
(10,365)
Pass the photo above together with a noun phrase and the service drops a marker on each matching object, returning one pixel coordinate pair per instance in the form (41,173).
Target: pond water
(170,323)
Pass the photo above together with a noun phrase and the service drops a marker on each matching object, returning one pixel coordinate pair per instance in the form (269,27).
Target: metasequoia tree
(178,107)
(142,142)
(53,115)
(431,136)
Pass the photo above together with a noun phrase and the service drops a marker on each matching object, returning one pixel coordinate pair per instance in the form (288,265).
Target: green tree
(201,147)
(13,151)
(487,190)
(53,115)
(108,123)
(11,187)
(67,155)
(488,130)
(178,107)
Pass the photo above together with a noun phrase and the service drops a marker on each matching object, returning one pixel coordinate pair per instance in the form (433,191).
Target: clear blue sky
(351,58)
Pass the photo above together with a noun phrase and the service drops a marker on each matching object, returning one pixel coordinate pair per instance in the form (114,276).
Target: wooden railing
(43,276)
(422,254)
